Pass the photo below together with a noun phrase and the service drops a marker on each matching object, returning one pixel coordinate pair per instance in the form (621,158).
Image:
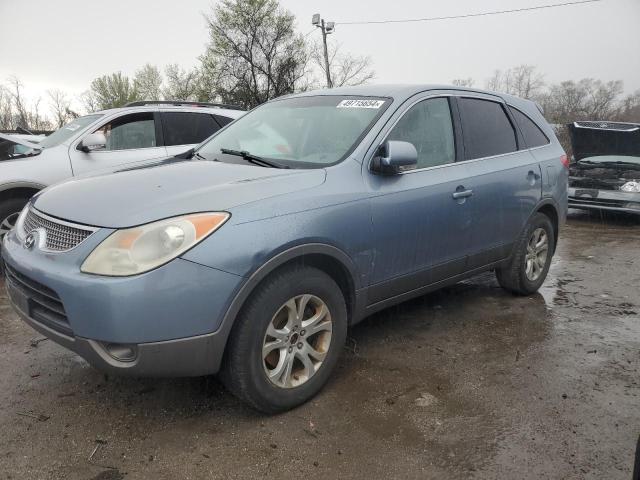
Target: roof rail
(179,103)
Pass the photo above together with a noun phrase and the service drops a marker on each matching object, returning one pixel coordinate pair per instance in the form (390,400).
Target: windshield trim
(314,165)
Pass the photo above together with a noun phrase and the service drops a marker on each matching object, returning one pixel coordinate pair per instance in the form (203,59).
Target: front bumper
(168,318)
(612,200)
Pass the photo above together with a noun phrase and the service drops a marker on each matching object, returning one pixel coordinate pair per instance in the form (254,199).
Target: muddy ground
(469,382)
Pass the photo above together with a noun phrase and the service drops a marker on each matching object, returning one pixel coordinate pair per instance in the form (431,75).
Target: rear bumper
(611,200)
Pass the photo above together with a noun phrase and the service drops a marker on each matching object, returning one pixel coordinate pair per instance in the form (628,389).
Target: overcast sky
(66,43)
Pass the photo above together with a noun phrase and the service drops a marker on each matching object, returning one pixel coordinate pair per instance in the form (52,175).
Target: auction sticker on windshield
(360,104)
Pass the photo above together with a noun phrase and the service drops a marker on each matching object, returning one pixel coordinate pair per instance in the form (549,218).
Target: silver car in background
(102,142)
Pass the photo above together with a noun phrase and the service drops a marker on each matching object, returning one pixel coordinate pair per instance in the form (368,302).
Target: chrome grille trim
(603,125)
(60,236)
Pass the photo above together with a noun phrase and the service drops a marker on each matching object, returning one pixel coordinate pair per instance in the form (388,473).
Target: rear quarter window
(532,135)
(486,128)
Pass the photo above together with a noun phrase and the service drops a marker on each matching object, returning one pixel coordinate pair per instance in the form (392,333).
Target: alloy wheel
(8,223)
(537,252)
(297,341)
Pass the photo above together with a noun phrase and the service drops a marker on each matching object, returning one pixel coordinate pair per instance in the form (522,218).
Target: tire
(245,371)
(515,276)
(9,211)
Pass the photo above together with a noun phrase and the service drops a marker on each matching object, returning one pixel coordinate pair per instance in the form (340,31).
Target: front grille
(60,236)
(616,126)
(40,303)
(600,202)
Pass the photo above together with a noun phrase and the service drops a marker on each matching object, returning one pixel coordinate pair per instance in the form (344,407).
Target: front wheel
(286,340)
(529,265)
(9,212)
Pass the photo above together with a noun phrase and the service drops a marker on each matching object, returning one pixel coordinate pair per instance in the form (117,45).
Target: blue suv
(251,254)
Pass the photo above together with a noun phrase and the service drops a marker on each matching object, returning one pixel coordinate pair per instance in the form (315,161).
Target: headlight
(139,249)
(20,222)
(632,187)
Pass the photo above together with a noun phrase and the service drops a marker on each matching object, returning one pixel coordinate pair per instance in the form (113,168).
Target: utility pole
(326,29)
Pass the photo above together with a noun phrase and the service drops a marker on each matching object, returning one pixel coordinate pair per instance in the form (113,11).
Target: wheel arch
(19,190)
(549,209)
(333,261)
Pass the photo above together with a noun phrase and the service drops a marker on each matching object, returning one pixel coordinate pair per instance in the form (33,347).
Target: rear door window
(428,127)
(486,129)
(186,128)
(531,133)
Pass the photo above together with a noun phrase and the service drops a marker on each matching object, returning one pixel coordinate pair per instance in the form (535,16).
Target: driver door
(422,218)
(132,139)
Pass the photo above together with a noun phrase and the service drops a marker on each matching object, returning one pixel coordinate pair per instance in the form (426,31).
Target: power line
(470,15)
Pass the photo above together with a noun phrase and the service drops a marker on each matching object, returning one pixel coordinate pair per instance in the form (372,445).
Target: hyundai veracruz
(251,255)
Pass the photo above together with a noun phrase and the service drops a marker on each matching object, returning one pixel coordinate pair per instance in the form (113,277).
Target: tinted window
(531,133)
(127,132)
(223,120)
(486,128)
(427,125)
(182,128)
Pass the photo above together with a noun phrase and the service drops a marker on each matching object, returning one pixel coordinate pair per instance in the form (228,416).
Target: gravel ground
(468,382)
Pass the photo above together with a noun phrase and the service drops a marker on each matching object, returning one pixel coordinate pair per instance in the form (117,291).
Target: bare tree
(463,82)
(60,107)
(346,69)
(629,110)
(7,118)
(88,101)
(19,102)
(254,52)
(586,99)
(522,81)
(148,82)
(181,84)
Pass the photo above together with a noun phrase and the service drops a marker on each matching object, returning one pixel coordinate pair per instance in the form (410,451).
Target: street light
(326,29)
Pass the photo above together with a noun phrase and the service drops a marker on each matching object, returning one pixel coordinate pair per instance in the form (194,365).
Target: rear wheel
(9,213)
(528,268)
(287,340)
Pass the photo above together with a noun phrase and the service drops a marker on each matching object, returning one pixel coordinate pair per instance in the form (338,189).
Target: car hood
(610,161)
(143,195)
(12,138)
(8,151)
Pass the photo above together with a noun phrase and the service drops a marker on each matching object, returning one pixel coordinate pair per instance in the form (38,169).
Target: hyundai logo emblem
(29,242)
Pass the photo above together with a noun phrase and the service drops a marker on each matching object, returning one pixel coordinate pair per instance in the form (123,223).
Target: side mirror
(393,157)
(93,141)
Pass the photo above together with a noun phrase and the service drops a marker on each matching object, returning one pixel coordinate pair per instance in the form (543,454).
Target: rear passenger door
(183,130)
(504,176)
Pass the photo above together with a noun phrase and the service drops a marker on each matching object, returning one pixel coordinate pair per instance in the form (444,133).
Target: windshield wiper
(253,158)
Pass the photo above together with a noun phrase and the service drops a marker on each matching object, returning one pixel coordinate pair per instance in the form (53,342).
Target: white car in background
(102,142)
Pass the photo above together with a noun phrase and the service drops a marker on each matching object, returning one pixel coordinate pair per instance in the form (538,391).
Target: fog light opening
(121,352)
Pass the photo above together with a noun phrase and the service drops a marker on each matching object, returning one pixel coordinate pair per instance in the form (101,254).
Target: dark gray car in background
(604,174)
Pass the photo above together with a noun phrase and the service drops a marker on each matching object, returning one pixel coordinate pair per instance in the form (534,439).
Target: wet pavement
(468,382)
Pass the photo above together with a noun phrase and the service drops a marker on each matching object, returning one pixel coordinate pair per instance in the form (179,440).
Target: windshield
(66,132)
(302,132)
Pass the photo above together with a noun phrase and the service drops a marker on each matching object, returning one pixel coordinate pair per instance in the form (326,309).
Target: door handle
(462,194)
